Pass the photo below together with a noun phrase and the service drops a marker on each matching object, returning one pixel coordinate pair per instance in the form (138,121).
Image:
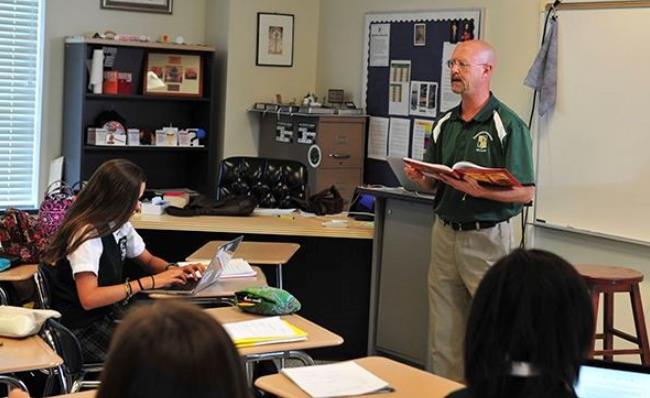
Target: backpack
(327,201)
(21,236)
(56,202)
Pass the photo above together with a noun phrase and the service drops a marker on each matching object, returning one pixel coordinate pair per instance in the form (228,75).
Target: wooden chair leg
(608,324)
(639,323)
(595,298)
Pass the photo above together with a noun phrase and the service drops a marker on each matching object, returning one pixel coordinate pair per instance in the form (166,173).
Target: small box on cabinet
(167,136)
(133,137)
(99,136)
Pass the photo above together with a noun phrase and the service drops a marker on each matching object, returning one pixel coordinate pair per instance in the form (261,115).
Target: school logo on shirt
(482,139)
(122,245)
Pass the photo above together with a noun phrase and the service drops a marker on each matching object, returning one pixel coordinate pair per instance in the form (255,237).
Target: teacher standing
(472,228)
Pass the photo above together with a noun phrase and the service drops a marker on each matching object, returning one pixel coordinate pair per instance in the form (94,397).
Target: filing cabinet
(332,147)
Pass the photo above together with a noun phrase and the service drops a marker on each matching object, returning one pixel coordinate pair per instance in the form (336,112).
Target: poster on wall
(379,44)
(448,98)
(398,137)
(398,87)
(377,137)
(424,99)
(422,129)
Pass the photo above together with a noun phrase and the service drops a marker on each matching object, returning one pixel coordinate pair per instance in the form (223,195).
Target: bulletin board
(405,84)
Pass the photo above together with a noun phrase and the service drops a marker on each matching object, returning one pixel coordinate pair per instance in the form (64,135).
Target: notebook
(267,330)
(211,275)
(602,379)
(397,166)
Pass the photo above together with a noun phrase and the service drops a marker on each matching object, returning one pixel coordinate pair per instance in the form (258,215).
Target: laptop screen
(601,379)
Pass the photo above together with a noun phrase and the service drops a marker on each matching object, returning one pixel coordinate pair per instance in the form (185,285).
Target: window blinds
(20,97)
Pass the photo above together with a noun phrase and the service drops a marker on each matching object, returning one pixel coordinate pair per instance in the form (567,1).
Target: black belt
(470,225)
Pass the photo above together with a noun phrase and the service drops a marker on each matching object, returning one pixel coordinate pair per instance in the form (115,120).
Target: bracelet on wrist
(129,292)
(153,282)
(140,284)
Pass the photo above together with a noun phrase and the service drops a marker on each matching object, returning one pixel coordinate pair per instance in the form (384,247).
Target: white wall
(74,17)
(247,83)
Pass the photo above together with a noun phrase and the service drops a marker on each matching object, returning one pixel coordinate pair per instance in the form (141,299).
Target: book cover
(487,176)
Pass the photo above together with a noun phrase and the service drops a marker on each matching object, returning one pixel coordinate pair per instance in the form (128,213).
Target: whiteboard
(593,153)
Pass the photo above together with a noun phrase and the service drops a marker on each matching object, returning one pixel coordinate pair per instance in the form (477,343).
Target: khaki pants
(459,259)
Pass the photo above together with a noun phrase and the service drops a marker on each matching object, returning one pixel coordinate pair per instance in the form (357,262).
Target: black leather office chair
(273,182)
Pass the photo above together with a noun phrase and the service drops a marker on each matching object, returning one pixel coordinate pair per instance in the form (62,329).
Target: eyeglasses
(461,64)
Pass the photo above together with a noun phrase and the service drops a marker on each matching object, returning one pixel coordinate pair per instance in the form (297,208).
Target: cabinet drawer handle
(340,155)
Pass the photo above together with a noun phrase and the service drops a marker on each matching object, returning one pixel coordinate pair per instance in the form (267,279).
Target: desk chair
(65,343)
(607,280)
(273,182)
(12,382)
(17,273)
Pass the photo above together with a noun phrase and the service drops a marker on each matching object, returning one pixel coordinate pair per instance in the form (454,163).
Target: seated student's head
(172,349)
(529,329)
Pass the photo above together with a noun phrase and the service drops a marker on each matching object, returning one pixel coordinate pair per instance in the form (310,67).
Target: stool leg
(595,297)
(608,324)
(639,323)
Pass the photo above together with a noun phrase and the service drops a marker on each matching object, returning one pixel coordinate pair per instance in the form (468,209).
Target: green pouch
(266,301)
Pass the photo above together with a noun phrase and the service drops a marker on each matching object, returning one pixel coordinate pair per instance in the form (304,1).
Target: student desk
(22,355)
(259,253)
(317,337)
(407,381)
(330,274)
(15,274)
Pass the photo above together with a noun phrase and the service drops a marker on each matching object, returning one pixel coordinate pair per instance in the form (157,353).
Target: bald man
(472,228)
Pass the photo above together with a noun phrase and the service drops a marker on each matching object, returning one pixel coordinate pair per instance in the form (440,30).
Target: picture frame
(274,39)
(173,74)
(157,6)
(420,34)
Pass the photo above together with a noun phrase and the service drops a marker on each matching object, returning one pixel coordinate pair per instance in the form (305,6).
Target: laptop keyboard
(190,284)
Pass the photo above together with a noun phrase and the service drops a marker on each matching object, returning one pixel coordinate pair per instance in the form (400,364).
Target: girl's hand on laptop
(173,276)
(194,270)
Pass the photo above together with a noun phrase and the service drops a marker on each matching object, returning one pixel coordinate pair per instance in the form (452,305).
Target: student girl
(530,327)
(84,262)
(170,349)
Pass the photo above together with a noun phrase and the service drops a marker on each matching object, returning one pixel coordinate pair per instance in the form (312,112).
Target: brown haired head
(102,206)
(172,349)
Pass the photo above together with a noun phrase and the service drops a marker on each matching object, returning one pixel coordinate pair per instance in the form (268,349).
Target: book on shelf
(268,330)
(487,176)
(341,379)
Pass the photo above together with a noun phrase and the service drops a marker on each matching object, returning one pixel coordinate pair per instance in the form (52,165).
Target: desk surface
(83,394)
(31,353)
(276,253)
(407,381)
(318,336)
(18,273)
(297,225)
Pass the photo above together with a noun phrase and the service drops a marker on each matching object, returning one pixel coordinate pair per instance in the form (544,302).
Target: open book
(492,177)
(336,380)
(261,331)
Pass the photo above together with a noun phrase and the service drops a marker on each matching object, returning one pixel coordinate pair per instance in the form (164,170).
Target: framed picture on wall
(173,75)
(159,6)
(274,39)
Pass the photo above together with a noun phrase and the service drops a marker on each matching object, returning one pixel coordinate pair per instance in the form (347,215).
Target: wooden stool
(609,280)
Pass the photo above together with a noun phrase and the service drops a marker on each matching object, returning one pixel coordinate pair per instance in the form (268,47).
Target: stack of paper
(263,331)
(237,268)
(336,380)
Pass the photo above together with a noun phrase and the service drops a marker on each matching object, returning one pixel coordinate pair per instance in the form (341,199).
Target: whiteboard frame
(411,16)
(539,223)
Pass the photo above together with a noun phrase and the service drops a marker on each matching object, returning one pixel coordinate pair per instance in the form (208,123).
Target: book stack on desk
(263,331)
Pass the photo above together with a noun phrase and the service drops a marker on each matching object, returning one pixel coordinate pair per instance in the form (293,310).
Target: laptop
(603,379)
(397,166)
(210,276)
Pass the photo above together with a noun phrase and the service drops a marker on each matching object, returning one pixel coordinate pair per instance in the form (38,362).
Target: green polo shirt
(495,137)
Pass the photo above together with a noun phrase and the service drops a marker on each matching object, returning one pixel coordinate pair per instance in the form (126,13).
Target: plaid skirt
(96,337)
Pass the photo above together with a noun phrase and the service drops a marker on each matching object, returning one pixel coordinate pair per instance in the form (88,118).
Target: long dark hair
(102,206)
(172,349)
(532,306)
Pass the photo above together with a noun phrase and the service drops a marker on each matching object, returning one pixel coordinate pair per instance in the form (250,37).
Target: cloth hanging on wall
(542,75)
